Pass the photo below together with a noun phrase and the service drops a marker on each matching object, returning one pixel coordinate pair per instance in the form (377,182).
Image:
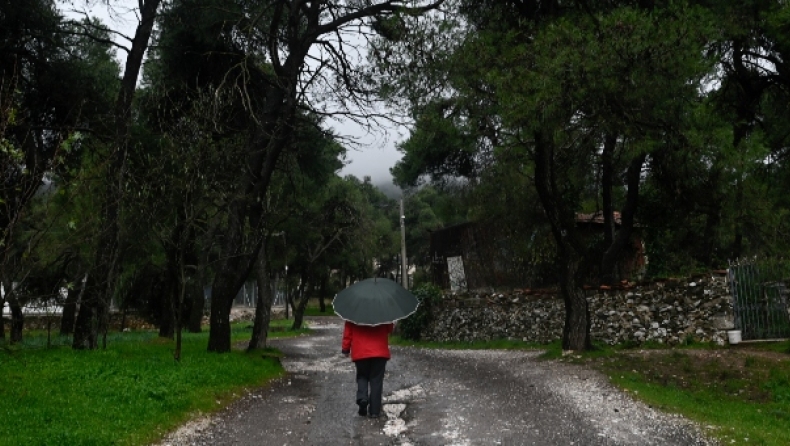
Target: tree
(563,89)
(94,311)
(296,208)
(54,87)
(286,32)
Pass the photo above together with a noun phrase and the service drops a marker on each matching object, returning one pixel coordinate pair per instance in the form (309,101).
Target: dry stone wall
(670,312)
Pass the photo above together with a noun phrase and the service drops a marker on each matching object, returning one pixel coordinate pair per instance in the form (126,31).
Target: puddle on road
(394,406)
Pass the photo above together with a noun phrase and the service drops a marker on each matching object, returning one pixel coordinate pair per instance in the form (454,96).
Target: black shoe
(373,415)
(363,407)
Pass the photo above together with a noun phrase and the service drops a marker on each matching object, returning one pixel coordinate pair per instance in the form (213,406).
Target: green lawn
(313,309)
(129,394)
(743,399)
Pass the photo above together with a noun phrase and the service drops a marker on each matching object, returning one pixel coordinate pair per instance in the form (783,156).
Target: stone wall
(670,311)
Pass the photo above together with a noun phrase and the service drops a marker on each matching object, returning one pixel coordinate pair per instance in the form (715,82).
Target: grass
(741,395)
(129,394)
(315,311)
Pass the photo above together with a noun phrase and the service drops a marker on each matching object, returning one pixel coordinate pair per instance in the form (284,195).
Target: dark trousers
(370,382)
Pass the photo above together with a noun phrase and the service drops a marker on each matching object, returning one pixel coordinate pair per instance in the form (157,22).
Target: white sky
(375,151)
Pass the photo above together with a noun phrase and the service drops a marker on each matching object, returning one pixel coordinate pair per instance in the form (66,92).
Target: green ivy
(412,327)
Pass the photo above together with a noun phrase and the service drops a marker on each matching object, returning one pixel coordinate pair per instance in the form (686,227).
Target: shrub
(412,327)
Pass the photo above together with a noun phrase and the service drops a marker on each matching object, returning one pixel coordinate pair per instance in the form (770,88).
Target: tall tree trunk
(197,303)
(167,317)
(107,258)
(196,292)
(228,280)
(624,234)
(301,303)
(264,151)
(179,304)
(173,282)
(263,306)
(17,318)
(2,319)
(85,331)
(69,312)
(607,182)
(322,292)
(575,333)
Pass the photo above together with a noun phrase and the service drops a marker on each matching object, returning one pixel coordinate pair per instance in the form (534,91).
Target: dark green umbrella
(374,302)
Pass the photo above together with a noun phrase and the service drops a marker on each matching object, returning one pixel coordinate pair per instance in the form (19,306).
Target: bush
(429,296)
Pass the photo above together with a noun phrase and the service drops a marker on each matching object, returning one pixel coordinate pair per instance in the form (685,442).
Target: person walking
(369,349)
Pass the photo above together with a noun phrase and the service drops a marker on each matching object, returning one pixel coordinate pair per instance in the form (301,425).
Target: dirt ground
(436,397)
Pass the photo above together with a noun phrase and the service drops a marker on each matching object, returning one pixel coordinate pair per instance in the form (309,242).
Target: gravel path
(435,397)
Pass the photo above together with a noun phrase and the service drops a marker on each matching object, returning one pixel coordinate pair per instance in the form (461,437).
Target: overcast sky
(374,153)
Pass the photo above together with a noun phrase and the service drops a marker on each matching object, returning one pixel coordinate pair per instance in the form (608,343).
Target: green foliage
(316,311)
(130,394)
(778,385)
(411,328)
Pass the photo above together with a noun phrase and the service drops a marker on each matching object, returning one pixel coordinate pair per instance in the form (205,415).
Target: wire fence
(759,289)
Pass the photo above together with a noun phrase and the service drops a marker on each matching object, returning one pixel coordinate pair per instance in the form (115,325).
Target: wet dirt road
(435,397)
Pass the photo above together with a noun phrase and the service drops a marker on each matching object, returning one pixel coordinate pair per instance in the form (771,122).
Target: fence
(248,294)
(760,297)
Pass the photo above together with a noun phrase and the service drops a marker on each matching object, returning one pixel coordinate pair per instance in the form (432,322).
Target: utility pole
(404,272)
(285,278)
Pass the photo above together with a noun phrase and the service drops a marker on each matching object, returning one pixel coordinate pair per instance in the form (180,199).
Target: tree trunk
(69,312)
(173,279)
(179,306)
(107,258)
(576,331)
(230,277)
(623,236)
(167,318)
(85,328)
(196,292)
(263,306)
(607,182)
(219,322)
(167,306)
(322,293)
(197,303)
(2,318)
(17,319)
(301,303)
(236,266)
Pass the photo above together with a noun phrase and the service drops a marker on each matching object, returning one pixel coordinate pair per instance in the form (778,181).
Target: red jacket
(367,342)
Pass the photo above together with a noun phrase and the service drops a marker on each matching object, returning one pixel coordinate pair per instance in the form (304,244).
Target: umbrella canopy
(374,302)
